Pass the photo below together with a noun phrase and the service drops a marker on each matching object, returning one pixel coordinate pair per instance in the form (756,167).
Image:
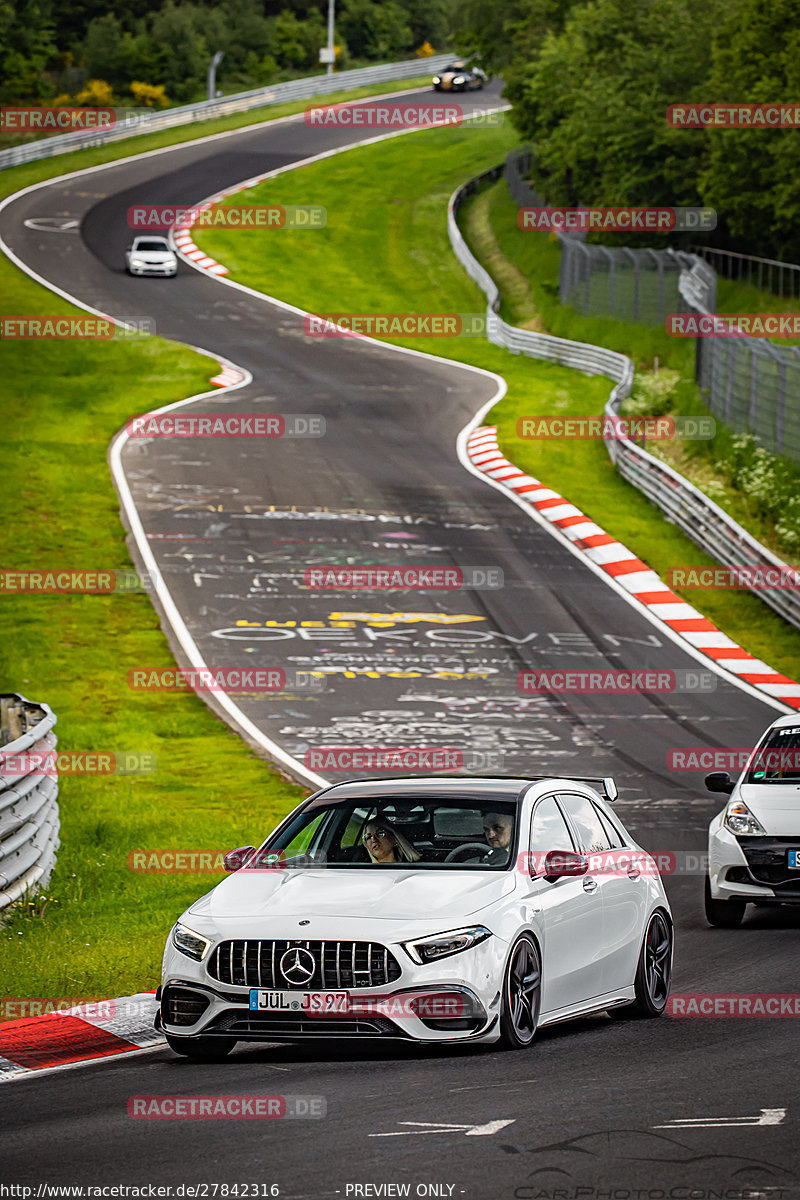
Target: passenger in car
(497,829)
(387,845)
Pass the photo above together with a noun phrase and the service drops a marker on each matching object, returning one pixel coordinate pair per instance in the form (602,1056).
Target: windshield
(391,834)
(151,244)
(778,759)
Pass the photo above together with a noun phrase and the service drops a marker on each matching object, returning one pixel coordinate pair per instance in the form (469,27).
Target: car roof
(430,787)
(788,719)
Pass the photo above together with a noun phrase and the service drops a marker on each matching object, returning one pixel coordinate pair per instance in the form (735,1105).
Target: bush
(97,93)
(149,95)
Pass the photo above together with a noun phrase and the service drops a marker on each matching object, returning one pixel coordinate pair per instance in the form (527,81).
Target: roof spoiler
(609,787)
(604,782)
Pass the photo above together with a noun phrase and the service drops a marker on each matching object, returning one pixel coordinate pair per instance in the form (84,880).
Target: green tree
(104,52)
(375,30)
(506,34)
(594,102)
(180,49)
(751,176)
(26,47)
(296,43)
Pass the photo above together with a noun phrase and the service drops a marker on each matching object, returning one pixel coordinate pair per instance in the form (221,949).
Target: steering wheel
(455,853)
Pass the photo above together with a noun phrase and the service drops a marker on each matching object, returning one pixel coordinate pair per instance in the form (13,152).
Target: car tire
(653,972)
(206,1049)
(723,914)
(521,995)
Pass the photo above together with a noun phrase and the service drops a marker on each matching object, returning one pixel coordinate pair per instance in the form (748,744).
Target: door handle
(633,874)
(590,885)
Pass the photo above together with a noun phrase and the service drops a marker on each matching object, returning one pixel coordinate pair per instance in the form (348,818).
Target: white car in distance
(434,909)
(151,255)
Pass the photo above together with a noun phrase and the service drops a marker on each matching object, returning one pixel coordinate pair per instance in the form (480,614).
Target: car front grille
(336,964)
(768,861)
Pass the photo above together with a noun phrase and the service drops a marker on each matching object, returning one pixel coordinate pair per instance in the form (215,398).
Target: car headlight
(442,945)
(460,79)
(137,262)
(739,819)
(437,79)
(192,944)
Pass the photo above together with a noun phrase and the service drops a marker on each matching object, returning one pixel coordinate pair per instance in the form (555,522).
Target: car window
(586,820)
(151,244)
(778,757)
(447,834)
(301,842)
(549,830)
(615,838)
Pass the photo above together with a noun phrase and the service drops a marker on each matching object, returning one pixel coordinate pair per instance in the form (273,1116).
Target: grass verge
(99,928)
(398,222)
(757,489)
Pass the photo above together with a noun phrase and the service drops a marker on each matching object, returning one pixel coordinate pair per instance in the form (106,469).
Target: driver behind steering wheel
(497,828)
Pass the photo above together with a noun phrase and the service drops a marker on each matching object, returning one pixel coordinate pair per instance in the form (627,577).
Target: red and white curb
(228,376)
(90,1031)
(628,571)
(184,244)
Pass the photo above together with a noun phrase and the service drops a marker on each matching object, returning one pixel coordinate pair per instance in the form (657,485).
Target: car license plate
(794,860)
(318,1003)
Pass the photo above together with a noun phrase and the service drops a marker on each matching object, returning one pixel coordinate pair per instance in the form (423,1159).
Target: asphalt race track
(234,524)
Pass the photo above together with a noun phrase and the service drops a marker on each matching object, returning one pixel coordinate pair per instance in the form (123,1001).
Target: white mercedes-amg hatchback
(434,909)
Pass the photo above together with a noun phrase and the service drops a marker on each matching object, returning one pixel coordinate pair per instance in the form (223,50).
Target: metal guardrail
(681,502)
(700,518)
(29,822)
(751,385)
(205,110)
(593,360)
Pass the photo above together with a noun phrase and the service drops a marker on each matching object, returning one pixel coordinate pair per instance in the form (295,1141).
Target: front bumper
(194,1002)
(165,270)
(188,1009)
(752,868)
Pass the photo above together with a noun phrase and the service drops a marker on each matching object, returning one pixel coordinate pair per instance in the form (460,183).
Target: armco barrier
(682,503)
(28,805)
(205,110)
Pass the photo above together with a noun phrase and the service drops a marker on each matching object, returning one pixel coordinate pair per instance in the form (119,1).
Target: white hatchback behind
(754,843)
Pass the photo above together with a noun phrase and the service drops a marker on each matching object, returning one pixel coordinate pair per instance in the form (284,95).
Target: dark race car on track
(457,77)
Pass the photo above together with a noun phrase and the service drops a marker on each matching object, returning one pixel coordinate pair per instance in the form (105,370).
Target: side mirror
(560,863)
(719,781)
(234,860)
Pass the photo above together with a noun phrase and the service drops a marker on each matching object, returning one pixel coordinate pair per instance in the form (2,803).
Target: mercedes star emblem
(297,966)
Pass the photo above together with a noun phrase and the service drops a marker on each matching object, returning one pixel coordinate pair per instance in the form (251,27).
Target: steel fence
(29,823)
(682,503)
(750,384)
(629,285)
(767,274)
(205,110)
